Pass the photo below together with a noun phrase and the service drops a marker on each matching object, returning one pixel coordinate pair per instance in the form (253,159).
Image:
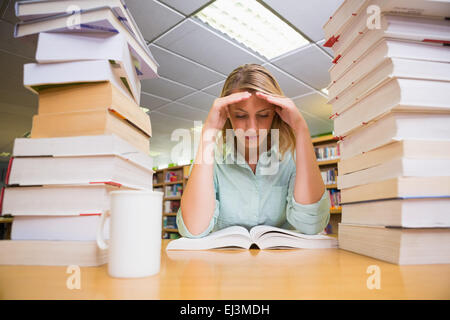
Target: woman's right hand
(219,111)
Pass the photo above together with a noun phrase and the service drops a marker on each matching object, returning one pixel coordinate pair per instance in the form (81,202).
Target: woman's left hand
(286,109)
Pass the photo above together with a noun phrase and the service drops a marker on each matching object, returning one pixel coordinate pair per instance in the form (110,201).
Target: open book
(265,237)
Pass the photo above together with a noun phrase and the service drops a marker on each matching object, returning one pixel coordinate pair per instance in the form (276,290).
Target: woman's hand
(220,109)
(286,109)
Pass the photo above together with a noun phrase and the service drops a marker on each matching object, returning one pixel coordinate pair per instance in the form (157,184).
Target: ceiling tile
(186,7)
(317,126)
(162,144)
(320,43)
(306,16)
(152,17)
(24,47)
(199,100)
(183,111)
(290,86)
(17,104)
(9,13)
(12,90)
(165,88)
(193,40)
(165,124)
(182,70)
(215,89)
(151,101)
(13,125)
(309,64)
(314,104)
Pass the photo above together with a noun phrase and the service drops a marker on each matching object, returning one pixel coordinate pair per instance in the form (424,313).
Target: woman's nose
(252,125)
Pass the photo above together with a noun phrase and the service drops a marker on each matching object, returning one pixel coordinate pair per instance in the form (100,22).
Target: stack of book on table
(389,93)
(89,137)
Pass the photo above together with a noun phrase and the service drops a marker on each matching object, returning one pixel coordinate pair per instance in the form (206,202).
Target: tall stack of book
(389,90)
(90,135)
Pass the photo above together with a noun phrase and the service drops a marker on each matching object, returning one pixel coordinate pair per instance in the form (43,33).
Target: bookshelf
(171,181)
(327,153)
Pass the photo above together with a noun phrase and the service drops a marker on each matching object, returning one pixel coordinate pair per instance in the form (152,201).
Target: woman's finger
(234,98)
(272,99)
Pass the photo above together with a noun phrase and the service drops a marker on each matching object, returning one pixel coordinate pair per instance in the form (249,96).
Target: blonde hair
(254,77)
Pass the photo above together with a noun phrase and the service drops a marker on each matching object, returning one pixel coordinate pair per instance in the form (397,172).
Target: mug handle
(100,230)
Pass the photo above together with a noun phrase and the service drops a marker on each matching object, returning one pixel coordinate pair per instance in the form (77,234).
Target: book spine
(111,183)
(1,200)
(8,172)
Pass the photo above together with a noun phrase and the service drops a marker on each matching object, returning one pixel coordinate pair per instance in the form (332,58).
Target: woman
(238,191)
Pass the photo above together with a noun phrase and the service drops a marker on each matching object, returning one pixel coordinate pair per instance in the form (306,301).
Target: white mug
(134,248)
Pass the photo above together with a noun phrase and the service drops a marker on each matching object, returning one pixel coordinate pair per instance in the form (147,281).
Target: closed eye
(259,115)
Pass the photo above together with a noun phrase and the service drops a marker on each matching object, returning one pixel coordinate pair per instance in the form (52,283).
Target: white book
(104,148)
(397,94)
(78,146)
(358,86)
(392,26)
(396,126)
(373,51)
(399,167)
(59,200)
(52,253)
(49,170)
(350,10)
(399,187)
(65,47)
(417,149)
(407,212)
(401,246)
(37,76)
(35,9)
(57,228)
(379,53)
(108,144)
(102,19)
(265,237)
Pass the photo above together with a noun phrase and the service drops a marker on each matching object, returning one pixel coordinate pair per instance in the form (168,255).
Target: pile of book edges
(90,136)
(389,91)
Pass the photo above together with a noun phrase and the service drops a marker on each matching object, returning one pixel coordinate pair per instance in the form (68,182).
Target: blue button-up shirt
(262,198)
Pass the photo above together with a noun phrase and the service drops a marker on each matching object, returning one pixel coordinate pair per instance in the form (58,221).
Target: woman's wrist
(300,128)
(209,134)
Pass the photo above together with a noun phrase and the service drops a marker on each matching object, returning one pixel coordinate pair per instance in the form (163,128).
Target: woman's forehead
(252,104)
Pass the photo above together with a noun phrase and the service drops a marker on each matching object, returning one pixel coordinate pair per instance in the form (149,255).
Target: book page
(233,230)
(234,236)
(258,231)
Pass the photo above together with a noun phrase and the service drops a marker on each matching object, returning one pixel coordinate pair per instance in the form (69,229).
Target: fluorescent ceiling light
(145,109)
(325,90)
(253,25)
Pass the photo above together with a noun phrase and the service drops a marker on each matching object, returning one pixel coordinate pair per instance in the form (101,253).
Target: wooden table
(237,274)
